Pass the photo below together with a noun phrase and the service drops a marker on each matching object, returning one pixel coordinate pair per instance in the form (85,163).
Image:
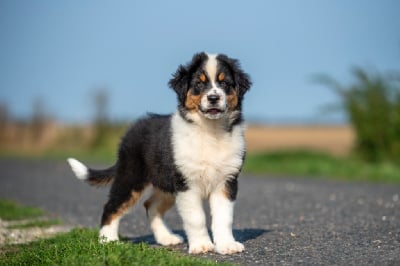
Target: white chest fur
(206,154)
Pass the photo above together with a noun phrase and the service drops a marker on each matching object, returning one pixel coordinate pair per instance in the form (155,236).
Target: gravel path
(281,221)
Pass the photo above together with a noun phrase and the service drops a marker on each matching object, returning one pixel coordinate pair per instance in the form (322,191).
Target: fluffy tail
(93,177)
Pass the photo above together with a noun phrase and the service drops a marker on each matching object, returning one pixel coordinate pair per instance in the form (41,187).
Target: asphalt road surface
(281,221)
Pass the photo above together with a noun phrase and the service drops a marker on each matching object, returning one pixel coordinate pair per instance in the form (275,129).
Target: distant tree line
(37,122)
(36,129)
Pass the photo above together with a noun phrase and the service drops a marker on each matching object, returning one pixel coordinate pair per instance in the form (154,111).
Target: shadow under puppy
(194,154)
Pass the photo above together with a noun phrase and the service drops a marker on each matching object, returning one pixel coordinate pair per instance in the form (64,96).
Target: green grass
(10,210)
(30,216)
(81,247)
(313,164)
(35,223)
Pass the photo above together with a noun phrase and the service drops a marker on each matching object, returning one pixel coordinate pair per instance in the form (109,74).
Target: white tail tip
(79,169)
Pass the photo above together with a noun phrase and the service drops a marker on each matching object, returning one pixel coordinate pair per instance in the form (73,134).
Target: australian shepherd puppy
(194,154)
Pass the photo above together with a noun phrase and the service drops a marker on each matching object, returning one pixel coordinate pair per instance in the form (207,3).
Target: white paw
(170,239)
(105,236)
(229,247)
(104,239)
(201,246)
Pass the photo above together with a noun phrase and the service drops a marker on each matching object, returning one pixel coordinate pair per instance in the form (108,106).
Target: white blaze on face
(211,68)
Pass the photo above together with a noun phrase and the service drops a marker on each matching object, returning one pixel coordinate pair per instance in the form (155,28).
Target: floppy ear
(243,81)
(180,81)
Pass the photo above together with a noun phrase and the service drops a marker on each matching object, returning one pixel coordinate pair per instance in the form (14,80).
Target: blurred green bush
(372,104)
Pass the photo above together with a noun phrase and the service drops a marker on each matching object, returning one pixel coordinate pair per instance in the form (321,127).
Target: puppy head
(211,85)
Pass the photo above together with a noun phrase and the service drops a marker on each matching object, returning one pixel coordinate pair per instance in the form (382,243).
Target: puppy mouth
(213,111)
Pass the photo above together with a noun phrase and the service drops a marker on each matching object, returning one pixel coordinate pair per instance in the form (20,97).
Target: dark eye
(197,88)
(224,80)
(225,83)
(199,85)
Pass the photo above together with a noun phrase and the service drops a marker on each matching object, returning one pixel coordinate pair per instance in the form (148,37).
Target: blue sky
(61,51)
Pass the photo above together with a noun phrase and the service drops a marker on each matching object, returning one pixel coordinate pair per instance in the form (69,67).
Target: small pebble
(395,197)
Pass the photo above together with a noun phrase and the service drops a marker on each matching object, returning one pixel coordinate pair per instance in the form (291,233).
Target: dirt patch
(24,235)
(336,140)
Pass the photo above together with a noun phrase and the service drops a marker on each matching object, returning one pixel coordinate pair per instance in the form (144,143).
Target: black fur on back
(146,156)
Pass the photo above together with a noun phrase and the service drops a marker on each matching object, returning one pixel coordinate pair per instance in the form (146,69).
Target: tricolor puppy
(194,154)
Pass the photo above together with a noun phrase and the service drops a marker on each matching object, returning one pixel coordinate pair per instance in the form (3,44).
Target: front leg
(190,207)
(222,202)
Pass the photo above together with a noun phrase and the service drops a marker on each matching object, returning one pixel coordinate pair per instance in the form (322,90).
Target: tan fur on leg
(156,206)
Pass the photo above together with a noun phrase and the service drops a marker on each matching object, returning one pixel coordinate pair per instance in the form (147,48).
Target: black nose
(213,98)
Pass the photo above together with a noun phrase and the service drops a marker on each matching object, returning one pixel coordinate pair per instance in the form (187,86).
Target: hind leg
(121,198)
(156,206)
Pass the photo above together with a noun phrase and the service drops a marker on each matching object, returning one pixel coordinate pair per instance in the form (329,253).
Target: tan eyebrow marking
(203,77)
(221,76)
